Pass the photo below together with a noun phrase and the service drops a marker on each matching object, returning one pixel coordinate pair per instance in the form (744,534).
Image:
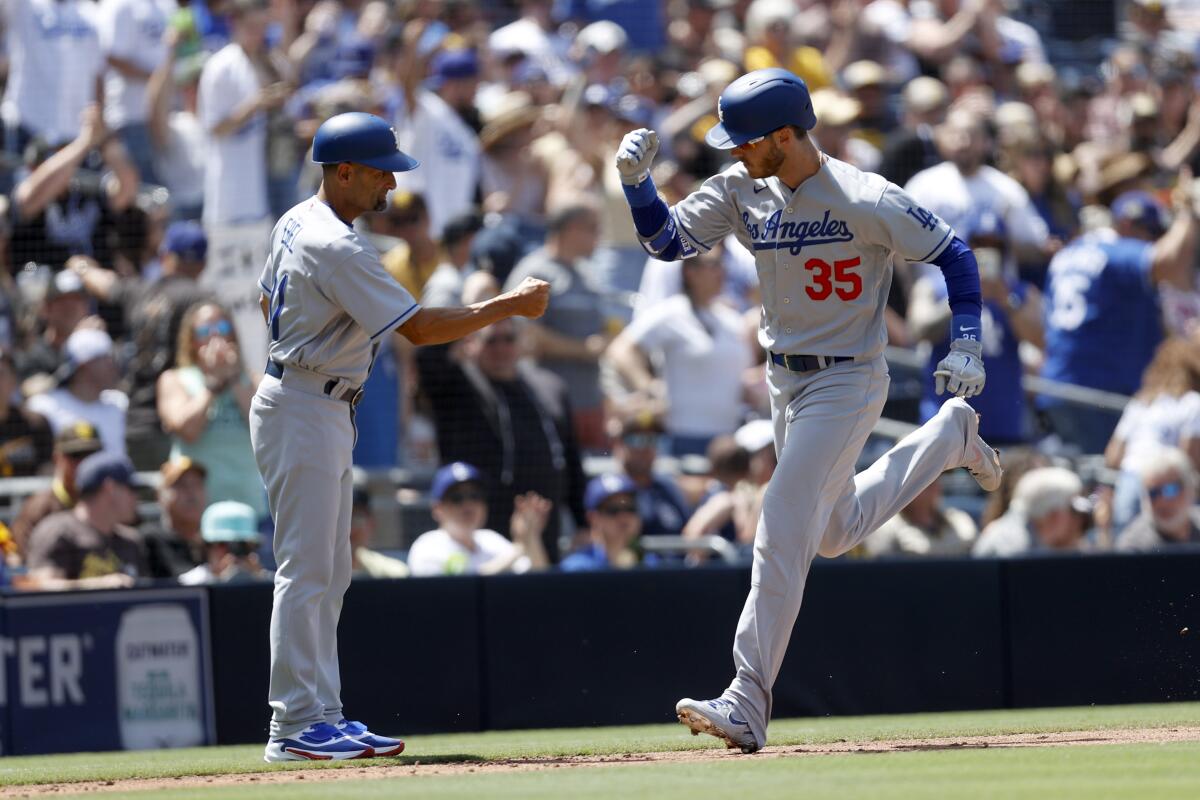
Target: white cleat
(717,718)
(981,459)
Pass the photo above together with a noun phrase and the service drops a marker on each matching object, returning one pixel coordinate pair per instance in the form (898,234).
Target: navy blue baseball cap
(452,475)
(451,65)
(601,488)
(186,240)
(986,224)
(1141,208)
(94,470)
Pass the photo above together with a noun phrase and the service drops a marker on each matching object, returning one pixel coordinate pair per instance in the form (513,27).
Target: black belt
(807,363)
(347,394)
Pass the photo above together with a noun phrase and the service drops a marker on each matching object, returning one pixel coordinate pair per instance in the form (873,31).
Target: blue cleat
(717,718)
(319,742)
(382,745)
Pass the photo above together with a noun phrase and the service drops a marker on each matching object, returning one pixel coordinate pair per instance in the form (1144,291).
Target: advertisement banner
(105,671)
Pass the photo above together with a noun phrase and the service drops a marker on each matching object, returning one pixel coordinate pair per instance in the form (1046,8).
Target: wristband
(642,195)
(964,326)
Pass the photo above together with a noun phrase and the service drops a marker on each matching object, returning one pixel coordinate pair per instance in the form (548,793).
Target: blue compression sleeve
(957,263)
(652,219)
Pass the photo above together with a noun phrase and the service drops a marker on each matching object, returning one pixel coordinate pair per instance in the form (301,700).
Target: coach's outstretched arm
(441,325)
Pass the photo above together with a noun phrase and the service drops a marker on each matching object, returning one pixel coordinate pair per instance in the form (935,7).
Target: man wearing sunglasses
(326,301)
(824,235)
(1169,514)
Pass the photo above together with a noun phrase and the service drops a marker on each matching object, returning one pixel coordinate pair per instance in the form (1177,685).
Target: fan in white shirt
(699,349)
(460,546)
(85,390)
(55,63)
(963,186)
(430,127)
(230,106)
(131,34)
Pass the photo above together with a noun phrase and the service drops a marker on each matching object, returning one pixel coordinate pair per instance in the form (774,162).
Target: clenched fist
(636,154)
(530,298)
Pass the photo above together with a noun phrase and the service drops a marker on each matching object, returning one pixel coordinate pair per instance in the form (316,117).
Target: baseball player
(327,301)
(823,234)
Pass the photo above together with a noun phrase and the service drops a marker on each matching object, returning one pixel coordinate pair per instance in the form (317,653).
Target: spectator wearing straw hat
(513,181)
(230,533)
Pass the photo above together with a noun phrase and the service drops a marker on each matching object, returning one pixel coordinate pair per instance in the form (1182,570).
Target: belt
(313,382)
(807,363)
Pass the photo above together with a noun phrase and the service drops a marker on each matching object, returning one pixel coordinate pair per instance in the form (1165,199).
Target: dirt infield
(390,769)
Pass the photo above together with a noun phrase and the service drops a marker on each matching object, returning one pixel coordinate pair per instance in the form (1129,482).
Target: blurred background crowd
(148,146)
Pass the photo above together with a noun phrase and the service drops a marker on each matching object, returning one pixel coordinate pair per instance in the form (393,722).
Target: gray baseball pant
(303,441)
(815,504)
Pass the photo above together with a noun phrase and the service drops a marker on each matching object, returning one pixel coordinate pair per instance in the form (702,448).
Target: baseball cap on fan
(83,346)
(452,475)
(185,239)
(1141,208)
(600,488)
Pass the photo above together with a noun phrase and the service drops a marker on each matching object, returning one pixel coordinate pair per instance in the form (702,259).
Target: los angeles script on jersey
(777,233)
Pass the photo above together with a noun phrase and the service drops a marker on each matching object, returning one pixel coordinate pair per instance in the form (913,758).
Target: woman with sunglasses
(204,404)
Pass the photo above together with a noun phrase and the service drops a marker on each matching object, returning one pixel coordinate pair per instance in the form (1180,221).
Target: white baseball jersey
(54,60)
(131,30)
(823,252)
(448,149)
(330,298)
(235,175)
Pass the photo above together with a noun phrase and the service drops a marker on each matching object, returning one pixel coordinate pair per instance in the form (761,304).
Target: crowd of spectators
(149,144)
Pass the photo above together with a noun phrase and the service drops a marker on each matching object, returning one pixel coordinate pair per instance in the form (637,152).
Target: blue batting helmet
(363,139)
(760,102)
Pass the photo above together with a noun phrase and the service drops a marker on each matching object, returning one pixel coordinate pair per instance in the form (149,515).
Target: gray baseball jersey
(330,297)
(330,302)
(824,252)
(824,258)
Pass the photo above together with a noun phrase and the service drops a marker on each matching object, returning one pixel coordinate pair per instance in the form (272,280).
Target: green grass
(1134,771)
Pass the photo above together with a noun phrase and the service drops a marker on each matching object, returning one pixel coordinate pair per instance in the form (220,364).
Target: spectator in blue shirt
(613,524)
(1012,313)
(1102,310)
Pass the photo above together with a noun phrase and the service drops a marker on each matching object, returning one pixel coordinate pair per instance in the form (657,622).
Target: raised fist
(530,298)
(636,154)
